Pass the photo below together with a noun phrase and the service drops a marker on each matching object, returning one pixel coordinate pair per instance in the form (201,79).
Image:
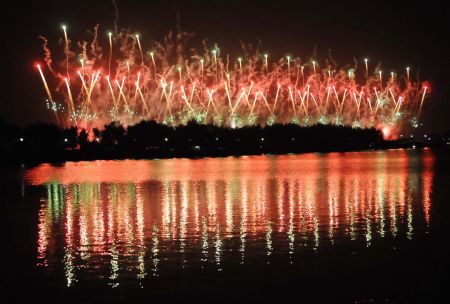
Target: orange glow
(389,132)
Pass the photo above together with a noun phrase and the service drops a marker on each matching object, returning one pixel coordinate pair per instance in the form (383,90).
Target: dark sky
(397,33)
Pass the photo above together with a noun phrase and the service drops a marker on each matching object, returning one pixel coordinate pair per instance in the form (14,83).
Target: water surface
(146,223)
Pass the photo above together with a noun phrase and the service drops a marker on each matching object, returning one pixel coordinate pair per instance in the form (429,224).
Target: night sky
(397,33)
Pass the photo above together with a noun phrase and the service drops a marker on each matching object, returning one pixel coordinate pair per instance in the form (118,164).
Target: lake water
(362,225)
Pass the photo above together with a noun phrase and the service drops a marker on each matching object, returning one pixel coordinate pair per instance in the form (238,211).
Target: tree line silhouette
(42,142)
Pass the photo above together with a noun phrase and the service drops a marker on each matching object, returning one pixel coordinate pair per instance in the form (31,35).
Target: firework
(130,84)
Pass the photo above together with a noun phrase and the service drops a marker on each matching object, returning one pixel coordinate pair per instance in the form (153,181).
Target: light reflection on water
(120,221)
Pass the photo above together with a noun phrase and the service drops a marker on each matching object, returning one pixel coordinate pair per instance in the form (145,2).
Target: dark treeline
(148,139)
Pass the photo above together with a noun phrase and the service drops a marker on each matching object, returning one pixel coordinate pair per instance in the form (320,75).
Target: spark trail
(131,82)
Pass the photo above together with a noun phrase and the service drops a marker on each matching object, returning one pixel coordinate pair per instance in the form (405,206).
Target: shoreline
(80,156)
(48,143)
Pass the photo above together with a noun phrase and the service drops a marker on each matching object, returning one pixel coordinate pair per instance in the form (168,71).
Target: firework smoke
(128,82)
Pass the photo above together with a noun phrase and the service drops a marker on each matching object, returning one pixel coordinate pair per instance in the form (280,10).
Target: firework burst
(127,83)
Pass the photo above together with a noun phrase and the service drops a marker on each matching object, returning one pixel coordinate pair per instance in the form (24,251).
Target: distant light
(262,138)
(411,136)
(21,139)
(292,138)
(65,140)
(217,138)
(166,139)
